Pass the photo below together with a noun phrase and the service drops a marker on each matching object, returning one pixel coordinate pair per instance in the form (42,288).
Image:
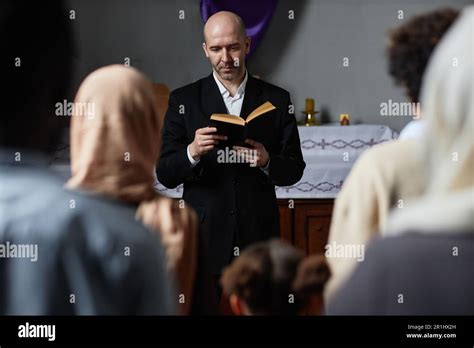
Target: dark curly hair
(267,273)
(410,47)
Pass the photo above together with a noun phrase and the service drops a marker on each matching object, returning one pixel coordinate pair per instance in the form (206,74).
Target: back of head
(114,134)
(411,45)
(36,68)
(275,278)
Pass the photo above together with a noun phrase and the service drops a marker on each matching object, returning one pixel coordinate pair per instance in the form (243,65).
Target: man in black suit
(236,202)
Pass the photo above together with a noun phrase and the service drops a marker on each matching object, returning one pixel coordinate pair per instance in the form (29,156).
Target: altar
(329,152)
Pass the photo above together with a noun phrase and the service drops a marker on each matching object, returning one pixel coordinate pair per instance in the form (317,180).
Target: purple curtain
(256,15)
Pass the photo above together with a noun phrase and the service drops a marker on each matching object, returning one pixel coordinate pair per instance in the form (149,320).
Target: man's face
(226,49)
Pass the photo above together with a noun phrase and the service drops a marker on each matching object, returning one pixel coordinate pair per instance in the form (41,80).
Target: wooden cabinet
(305,223)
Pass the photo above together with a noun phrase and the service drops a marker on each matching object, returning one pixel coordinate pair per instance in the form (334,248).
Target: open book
(237,129)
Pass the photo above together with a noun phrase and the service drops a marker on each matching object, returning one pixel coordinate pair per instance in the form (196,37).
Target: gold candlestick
(310,113)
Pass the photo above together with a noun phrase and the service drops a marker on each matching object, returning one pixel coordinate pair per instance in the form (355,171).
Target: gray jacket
(411,274)
(63,252)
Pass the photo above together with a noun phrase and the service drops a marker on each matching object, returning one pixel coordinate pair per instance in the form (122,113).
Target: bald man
(236,202)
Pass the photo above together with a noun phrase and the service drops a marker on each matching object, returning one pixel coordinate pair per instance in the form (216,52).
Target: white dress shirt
(233,104)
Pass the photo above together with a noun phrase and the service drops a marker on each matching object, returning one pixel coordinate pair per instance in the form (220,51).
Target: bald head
(224,22)
(226,45)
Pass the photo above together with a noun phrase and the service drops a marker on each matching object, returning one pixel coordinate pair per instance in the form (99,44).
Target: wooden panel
(162,94)
(311,229)
(312,221)
(286,221)
(317,231)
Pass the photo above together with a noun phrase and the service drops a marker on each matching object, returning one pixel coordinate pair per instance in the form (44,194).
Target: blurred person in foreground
(423,265)
(274,278)
(388,174)
(113,153)
(61,252)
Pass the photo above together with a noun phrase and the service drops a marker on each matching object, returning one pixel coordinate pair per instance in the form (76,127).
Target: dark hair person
(273,278)
(411,45)
(358,221)
(423,263)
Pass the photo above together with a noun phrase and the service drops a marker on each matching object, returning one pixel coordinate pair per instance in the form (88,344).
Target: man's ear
(204,47)
(235,304)
(248,41)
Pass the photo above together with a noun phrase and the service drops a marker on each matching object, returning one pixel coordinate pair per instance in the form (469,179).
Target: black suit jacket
(236,203)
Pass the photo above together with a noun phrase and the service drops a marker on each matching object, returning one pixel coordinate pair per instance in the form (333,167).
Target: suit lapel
(211,98)
(253,97)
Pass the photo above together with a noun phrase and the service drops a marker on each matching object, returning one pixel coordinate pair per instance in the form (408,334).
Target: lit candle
(344,119)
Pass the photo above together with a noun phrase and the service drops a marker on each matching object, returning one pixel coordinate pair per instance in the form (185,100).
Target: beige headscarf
(447,100)
(114,148)
(113,151)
